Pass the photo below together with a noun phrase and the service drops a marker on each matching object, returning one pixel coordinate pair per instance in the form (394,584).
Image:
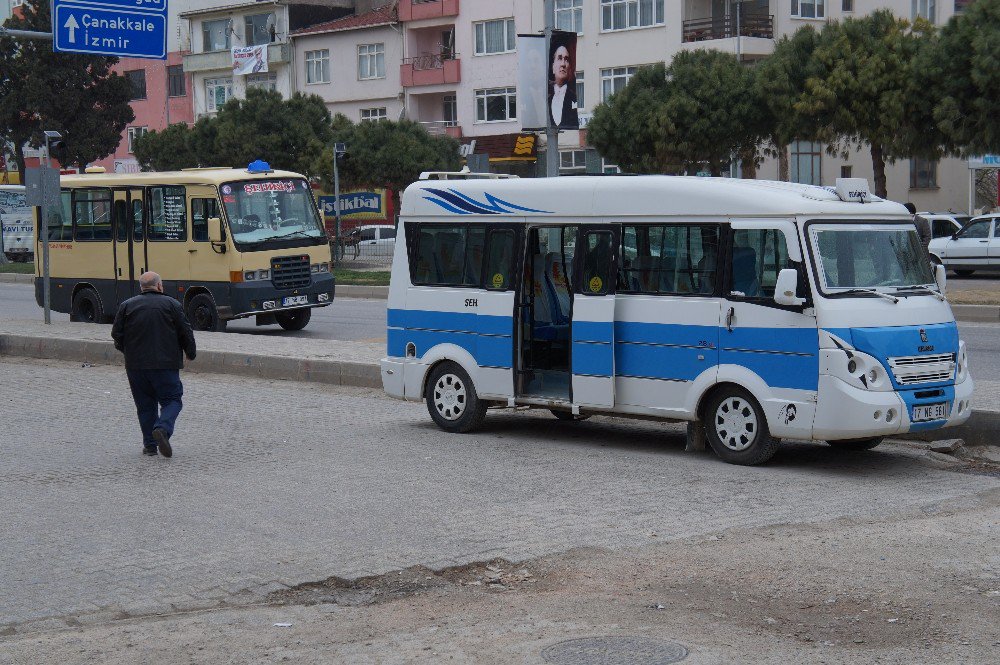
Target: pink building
(161,92)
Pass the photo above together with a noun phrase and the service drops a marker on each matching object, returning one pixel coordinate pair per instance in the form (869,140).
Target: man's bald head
(150,281)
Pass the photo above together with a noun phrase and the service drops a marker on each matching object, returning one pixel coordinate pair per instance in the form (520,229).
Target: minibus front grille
(911,370)
(290,272)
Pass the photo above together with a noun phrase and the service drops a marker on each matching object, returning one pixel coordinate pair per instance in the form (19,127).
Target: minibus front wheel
(737,428)
(452,399)
(203,314)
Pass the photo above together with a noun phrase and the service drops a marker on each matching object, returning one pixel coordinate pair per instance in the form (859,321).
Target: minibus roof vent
(205,168)
(95,169)
(848,190)
(259,166)
(464,174)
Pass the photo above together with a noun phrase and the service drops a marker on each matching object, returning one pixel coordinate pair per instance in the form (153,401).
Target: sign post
(111,27)
(41,189)
(339,150)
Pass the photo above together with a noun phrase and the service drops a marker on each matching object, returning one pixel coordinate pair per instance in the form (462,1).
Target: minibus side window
(672,259)
(60,219)
(167,213)
(202,210)
(500,259)
(447,255)
(758,256)
(92,214)
(596,272)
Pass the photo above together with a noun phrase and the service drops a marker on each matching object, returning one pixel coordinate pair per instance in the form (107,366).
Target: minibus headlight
(873,375)
(962,371)
(263,274)
(852,366)
(321,267)
(249,275)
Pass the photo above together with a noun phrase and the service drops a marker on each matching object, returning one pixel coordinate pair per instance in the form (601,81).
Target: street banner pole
(551,131)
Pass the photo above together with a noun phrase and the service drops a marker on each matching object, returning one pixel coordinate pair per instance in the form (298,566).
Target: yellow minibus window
(92,214)
(167,213)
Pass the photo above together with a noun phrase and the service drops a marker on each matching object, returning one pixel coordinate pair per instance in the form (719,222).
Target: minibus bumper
(392,377)
(845,412)
(252,298)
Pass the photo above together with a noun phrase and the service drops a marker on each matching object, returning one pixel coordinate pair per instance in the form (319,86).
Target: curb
(362,291)
(16,278)
(977,313)
(334,372)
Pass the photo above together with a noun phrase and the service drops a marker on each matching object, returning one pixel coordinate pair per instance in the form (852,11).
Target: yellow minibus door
(130,254)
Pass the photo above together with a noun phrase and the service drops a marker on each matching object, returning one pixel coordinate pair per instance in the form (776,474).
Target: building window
(259,29)
(848,6)
(497,36)
(217,93)
(496,104)
(371,61)
(569,16)
(923,174)
(318,66)
(607,168)
(133,134)
(809,8)
(625,14)
(372,115)
(573,161)
(806,161)
(215,35)
(961,5)
(580,89)
(265,81)
(176,85)
(137,79)
(924,9)
(614,80)
(450,111)
(846,171)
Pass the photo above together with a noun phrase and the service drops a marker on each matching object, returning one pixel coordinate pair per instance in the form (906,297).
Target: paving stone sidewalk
(276,483)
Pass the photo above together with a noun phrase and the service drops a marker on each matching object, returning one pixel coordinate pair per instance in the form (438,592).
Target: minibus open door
(593,325)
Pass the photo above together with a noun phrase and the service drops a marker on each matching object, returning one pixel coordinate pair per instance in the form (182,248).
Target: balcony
(724,27)
(442,128)
(277,54)
(430,69)
(416,10)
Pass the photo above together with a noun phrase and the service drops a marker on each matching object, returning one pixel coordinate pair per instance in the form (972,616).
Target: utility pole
(739,46)
(338,151)
(551,131)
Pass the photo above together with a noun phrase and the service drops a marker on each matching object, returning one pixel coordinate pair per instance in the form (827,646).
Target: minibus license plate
(294,300)
(930,412)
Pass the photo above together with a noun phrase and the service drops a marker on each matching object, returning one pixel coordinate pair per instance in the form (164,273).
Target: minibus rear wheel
(452,399)
(87,307)
(856,444)
(737,429)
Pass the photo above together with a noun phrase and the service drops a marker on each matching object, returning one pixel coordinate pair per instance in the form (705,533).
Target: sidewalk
(331,362)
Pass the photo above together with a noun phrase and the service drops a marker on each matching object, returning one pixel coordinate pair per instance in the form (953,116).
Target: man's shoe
(149,450)
(163,442)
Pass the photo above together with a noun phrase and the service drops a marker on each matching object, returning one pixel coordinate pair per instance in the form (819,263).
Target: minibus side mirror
(215,234)
(786,286)
(940,278)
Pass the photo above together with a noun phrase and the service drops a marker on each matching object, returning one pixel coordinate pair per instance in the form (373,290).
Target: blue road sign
(127,28)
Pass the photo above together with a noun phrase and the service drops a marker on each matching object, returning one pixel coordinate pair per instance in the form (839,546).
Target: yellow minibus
(228,243)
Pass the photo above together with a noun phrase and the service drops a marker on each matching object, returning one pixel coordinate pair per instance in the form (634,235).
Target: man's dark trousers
(157,394)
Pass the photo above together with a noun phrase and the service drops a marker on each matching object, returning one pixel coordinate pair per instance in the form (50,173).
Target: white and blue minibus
(760,311)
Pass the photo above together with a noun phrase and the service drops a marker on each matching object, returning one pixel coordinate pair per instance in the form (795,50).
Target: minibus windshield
(869,256)
(262,212)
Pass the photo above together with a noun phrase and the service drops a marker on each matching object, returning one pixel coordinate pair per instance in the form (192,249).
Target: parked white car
(371,242)
(975,247)
(944,224)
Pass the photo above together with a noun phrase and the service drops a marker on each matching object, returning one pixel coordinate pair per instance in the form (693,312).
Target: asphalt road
(364,320)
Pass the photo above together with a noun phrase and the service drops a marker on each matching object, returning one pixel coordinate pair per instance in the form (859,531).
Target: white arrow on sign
(72,25)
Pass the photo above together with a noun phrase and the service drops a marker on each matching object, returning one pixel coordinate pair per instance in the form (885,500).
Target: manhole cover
(614,651)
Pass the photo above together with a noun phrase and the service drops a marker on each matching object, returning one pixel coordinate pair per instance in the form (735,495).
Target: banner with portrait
(249,60)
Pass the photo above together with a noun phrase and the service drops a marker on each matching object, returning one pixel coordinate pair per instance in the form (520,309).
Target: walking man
(152,331)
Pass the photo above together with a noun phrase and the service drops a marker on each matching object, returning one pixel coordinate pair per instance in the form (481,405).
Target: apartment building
(615,37)
(353,63)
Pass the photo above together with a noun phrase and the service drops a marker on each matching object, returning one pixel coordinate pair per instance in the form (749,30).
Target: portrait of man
(562,103)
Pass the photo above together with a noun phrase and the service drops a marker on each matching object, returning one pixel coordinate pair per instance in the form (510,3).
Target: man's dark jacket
(152,331)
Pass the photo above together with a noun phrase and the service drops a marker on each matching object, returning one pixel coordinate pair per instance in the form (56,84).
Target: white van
(17,224)
(761,310)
